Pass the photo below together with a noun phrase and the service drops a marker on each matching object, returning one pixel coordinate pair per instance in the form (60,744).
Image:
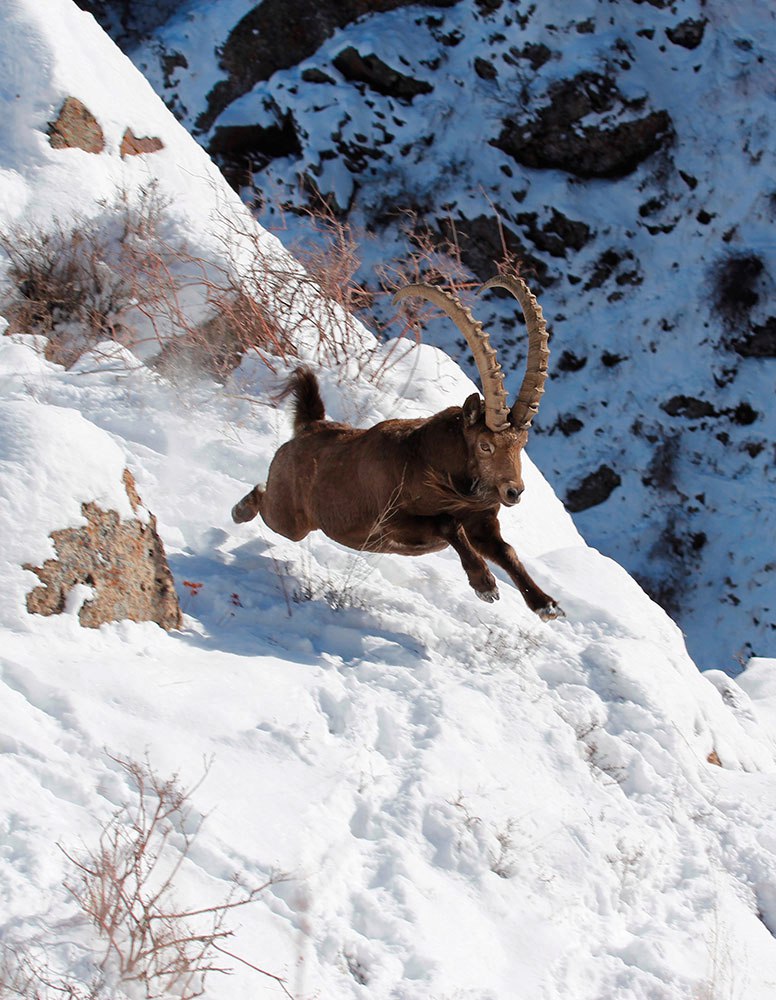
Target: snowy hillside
(448,799)
(627,149)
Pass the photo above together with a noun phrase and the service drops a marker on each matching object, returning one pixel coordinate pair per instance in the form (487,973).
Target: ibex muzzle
(416,486)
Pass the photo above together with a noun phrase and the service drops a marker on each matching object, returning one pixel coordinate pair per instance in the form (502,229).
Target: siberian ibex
(415,486)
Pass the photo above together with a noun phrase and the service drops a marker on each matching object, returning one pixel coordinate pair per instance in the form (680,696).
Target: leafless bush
(25,974)
(126,888)
(432,257)
(118,277)
(238,324)
(313,287)
(77,284)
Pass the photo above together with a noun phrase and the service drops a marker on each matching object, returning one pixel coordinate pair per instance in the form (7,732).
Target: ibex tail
(308,405)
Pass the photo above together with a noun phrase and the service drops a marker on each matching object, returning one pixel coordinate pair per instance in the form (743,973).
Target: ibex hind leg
(250,505)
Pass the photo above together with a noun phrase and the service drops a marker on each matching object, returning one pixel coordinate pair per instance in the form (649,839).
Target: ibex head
(495,434)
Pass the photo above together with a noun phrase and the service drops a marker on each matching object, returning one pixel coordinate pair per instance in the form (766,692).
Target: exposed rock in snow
(75,127)
(122,562)
(557,136)
(132,145)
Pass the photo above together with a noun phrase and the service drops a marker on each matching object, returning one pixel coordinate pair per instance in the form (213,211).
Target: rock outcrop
(277,34)
(586,128)
(122,561)
(75,127)
(133,145)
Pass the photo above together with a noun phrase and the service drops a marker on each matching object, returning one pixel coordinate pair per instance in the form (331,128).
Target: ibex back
(415,486)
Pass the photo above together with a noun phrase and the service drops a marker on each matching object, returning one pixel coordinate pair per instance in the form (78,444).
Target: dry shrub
(79,284)
(238,325)
(313,288)
(26,974)
(117,277)
(126,887)
(331,258)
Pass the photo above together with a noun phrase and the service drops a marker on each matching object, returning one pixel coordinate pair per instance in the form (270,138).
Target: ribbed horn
(526,405)
(491,375)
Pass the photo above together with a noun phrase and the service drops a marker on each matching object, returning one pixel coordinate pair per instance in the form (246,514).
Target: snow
(467,802)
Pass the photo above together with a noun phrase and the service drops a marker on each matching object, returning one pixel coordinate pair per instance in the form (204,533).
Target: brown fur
(403,486)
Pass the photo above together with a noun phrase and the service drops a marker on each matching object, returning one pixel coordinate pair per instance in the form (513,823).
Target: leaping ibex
(415,486)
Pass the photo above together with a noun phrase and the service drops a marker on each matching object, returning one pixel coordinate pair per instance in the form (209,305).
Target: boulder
(133,145)
(594,489)
(75,127)
(378,75)
(122,561)
(587,128)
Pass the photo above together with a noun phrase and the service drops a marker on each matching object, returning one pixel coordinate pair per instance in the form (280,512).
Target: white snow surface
(467,802)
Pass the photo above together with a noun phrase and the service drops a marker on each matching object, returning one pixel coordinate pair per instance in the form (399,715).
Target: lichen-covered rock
(122,561)
(133,145)
(75,127)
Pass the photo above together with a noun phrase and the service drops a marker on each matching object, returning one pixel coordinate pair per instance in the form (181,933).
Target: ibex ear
(472,410)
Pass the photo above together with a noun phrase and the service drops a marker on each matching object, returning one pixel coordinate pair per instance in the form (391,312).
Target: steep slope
(467,802)
(627,150)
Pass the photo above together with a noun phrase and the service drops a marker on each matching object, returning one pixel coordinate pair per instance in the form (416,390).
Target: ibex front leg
(485,535)
(480,577)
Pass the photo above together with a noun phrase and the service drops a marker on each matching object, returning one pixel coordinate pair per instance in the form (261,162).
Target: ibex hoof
(489,596)
(247,508)
(240,514)
(551,611)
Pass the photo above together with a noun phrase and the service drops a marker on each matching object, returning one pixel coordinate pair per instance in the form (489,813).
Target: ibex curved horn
(497,414)
(527,404)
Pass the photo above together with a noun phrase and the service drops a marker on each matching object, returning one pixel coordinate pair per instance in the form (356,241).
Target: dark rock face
(130,20)
(760,342)
(241,149)
(688,34)
(76,128)
(557,235)
(372,71)
(593,490)
(278,34)
(484,69)
(123,561)
(688,406)
(738,286)
(556,137)
(569,362)
(480,243)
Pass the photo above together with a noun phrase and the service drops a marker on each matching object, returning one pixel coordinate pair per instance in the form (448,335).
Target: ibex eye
(486,446)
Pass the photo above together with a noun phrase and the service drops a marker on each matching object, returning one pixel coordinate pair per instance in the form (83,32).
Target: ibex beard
(412,487)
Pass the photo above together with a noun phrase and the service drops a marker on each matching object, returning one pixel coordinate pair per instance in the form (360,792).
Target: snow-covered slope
(467,802)
(628,149)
